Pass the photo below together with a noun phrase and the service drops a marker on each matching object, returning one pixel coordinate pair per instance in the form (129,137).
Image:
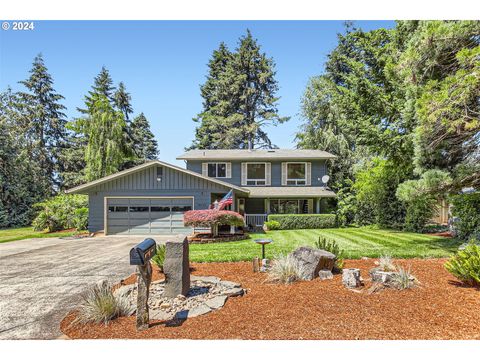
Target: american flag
(226,200)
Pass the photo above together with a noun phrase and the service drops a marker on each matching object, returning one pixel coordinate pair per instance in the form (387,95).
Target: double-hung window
(217,170)
(256,174)
(297,173)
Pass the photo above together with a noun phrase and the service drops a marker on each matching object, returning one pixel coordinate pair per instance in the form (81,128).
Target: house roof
(81,189)
(289,191)
(256,154)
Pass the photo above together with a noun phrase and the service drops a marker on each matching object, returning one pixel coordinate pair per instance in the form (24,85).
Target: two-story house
(151,198)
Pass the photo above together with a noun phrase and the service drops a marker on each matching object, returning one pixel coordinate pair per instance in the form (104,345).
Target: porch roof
(288,191)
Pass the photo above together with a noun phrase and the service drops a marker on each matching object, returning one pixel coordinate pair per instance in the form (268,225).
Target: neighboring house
(151,198)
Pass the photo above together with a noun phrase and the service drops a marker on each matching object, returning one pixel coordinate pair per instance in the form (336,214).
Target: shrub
(212,219)
(62,212)
(100,305)
(303,221)
(272,225)
(385,263)
(467,208)
(403,279)
(159,257)
(285,269)
(465,265)
(331,246)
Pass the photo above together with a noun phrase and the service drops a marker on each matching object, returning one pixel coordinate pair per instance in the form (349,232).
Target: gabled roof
(257,154)
(81,188)
(289,191)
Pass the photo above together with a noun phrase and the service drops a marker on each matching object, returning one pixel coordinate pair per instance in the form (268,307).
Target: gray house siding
(144,183)
(319,168)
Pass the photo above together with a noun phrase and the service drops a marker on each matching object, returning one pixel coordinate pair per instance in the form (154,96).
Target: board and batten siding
(318,169)
(144,183)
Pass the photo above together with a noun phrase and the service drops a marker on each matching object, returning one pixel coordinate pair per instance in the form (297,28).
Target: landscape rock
(159,315)
(383,277)
(232,292)
(199,310)
(176,267)
(351,278)
(210,279)
(124,291)
(230,284)
(216,302)
(325,275)
(313,260)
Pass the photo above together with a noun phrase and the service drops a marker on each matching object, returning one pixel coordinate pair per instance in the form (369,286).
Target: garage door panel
(147,216)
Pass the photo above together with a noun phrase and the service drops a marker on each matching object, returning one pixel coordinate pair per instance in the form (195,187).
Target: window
(217,170)
(256,174)
(138,208)
(296,174)
(160,209)
(288,206)
(181,208)
(117,208)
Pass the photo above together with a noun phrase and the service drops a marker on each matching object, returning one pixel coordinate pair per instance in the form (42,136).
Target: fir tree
(122,101)
(144,145)
(102,85)
(239,98)
(43,120)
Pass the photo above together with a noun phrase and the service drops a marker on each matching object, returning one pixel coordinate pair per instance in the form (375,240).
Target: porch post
(318,205)
(234,207)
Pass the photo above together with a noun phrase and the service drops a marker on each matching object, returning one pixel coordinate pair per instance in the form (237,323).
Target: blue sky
(163,64)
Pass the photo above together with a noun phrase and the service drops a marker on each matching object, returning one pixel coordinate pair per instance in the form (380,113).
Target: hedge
(303,221)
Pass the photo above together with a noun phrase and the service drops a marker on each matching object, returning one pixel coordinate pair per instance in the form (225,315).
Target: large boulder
(176,267)
(312,260)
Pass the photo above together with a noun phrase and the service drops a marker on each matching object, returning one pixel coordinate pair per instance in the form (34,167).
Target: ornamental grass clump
(100,305)
(285,269)
(465,264)
(403,279)
(159,257)
(385,263)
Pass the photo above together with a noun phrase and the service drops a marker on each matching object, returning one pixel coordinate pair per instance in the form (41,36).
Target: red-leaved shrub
(212,219)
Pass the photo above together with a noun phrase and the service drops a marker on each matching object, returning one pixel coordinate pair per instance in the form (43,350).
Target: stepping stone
(216,302)
(230,284)
(233,292)
(199,310)
(209,279)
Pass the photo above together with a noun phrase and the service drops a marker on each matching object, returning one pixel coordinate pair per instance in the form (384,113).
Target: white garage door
(147,216)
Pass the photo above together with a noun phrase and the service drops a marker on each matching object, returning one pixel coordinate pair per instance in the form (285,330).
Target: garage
(143,216)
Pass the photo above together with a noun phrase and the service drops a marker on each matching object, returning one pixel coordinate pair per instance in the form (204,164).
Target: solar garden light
(140,255)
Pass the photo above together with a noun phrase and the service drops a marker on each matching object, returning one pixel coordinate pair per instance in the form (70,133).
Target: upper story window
(217,170)
(256,174)
(296,173)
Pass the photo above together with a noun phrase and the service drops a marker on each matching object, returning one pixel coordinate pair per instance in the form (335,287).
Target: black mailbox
(143,252)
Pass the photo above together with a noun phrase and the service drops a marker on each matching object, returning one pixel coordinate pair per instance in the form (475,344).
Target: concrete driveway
(41,280)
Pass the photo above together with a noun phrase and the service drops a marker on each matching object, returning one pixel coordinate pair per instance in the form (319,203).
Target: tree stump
(351,278)
(144,278)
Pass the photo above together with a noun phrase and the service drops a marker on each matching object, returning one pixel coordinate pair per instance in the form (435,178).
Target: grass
(14,234)
(355,242)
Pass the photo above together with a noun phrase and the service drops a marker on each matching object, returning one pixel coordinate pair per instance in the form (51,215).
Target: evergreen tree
(144,145)
(20,175)
(102,85)
(122,101)
(239,98)
(43,120)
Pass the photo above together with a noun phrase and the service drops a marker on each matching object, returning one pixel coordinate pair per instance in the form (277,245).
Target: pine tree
(239,98)
(145,145)
(122,101)
(43,120)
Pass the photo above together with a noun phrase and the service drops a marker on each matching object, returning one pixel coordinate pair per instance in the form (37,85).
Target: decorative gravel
(440,308)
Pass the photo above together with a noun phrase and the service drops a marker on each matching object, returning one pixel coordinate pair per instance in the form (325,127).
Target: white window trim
(296,180)
(256,180)
(216,169)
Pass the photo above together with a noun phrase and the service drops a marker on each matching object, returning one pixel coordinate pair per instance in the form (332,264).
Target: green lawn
(356,242)
(15,234)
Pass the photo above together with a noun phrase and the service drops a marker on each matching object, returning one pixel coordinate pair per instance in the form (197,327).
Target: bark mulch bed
(440,309)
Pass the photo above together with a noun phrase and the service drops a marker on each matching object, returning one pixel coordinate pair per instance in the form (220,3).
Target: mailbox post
(140,256)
